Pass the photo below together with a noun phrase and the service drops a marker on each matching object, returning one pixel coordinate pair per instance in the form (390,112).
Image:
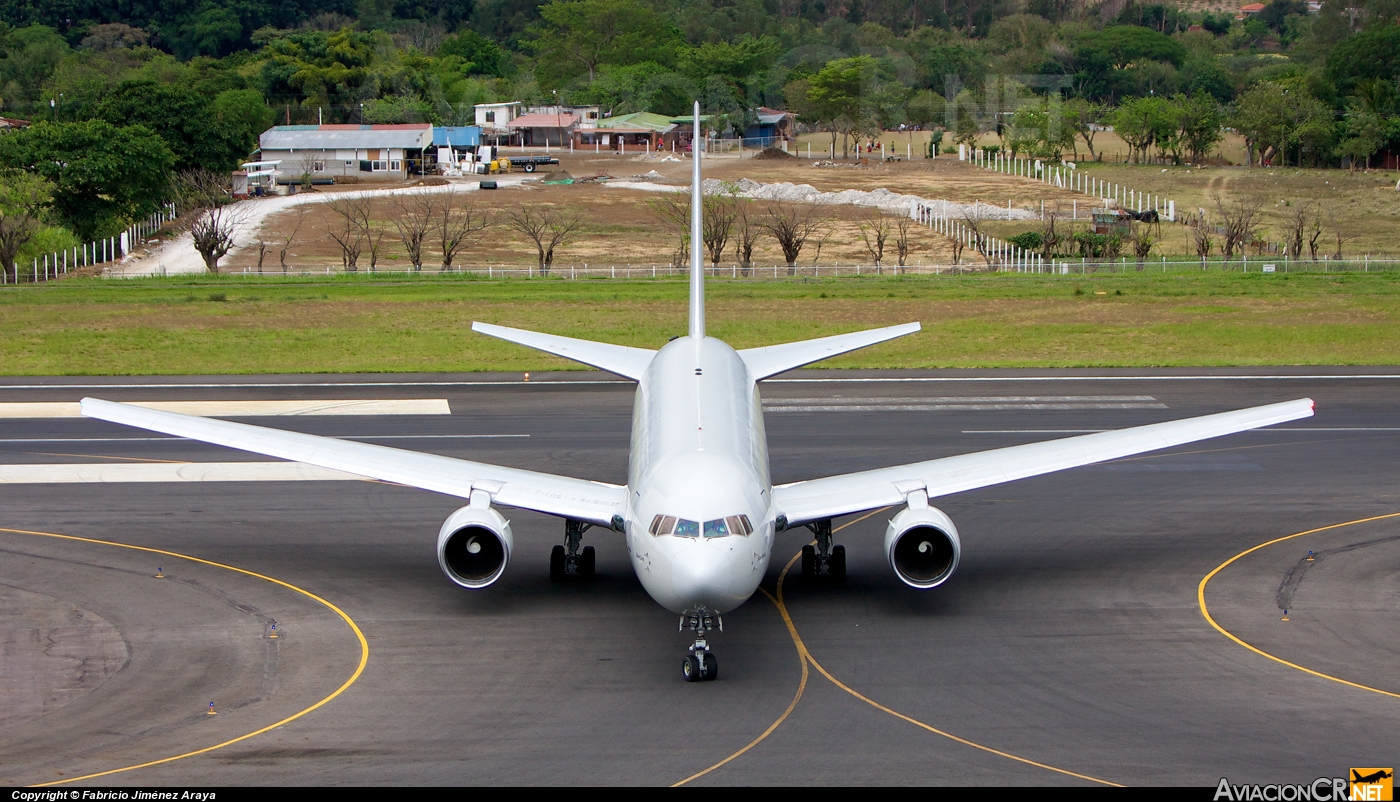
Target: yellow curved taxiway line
(359,669)
(806,657)
(1205,611)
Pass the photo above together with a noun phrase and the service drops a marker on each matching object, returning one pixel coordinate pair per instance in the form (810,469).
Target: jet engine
(922,546)
(474,545)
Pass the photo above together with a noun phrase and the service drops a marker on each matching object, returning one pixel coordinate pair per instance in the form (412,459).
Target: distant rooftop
(348,137)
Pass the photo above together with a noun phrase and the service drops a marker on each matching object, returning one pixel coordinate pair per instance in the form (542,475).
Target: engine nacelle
(922,546)
(474,546)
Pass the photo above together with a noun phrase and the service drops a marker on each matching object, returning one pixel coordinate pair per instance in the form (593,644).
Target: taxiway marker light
(211,710)
(159,575)
(273,636)
(1285,616)
(1310,555)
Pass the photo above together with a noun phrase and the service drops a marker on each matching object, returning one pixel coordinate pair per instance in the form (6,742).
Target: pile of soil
(774,153)
(557,175)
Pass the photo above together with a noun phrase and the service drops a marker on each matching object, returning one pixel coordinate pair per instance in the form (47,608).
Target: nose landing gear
(568,562)
(823,562)
(700,664)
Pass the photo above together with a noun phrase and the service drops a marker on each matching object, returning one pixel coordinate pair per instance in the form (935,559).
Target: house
(583,113)
(11,122)
(1250,10)
(640,130)
(369,152)
(773,126)
(492,118)
(543,130)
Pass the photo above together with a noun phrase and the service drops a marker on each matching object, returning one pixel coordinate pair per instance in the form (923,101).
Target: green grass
(232,324)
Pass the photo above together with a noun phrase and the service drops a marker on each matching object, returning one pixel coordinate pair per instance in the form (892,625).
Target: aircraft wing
(771,360)
(816,499)
(595,502)
(620,359)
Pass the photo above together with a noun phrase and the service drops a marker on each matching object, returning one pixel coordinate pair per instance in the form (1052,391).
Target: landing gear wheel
(837,565)
(556,564)
(711,669)
(586,561)
(809,563)
(690,668)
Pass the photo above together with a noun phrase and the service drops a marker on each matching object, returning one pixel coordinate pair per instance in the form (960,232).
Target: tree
(716,224)
(549,227)
(1200,120)
(746,232)
(459,224)
(579,36)
(286,244)
(1239,218)
(673,210)
(1082,117)
(1365,133)
(345,229)
(792,224)
(479,55)
(414,214)
(103,176)
(874,232)
(191,128)
(23,200)
(1276,119)
(213,232)
(902,226)
(841,96)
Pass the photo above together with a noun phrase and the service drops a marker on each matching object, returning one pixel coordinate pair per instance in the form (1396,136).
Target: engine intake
(922,546)
(474,546)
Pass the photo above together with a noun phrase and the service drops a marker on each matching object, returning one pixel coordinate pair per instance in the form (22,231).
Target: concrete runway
(1071,640)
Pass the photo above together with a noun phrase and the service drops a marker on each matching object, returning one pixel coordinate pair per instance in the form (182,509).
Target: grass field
(225,325)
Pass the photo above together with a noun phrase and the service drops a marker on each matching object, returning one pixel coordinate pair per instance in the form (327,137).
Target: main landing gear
(823,562)
(568,562)
(700,664)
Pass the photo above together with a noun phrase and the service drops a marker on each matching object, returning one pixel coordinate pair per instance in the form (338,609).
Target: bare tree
(1297,223)
(345,230)
(286,243)
(1314,235)
(980,241)
(1338,235)
(717,223)
(875,232)
(23,198)
(792,224)
(1140,236)
(1050,238)
(746,234)
(549,227)
(673,210)
(262,252)
(414,214)
(1239,218)
(209,196)
(902,225)
(459,224)
(1201,237)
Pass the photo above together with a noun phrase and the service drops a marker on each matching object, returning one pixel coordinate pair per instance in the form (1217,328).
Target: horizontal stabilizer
(774,359)
(620,359)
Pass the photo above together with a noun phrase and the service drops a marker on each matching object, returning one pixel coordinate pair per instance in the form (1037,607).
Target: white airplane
(698,513)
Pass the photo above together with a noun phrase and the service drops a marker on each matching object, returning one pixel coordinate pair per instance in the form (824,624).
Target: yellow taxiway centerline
(359,669)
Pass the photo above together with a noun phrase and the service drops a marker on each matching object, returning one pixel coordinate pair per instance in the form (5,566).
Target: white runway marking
(182,439)
(245,409)
(557,382)
(1250,431)
(963,403)
(172,472)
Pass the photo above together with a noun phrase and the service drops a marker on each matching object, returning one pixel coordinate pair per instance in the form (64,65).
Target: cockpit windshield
(720,527)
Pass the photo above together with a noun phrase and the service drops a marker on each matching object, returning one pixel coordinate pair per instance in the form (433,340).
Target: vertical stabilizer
(697,267)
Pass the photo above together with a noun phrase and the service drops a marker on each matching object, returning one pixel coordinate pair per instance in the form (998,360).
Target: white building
(494,118)
(370,152)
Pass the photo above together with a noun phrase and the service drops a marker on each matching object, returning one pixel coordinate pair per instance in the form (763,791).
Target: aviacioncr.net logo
(1323,789)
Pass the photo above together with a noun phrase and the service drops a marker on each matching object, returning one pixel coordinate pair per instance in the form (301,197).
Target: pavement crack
(1294,577)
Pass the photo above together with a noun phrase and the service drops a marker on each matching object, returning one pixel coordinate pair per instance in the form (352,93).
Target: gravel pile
(881,199)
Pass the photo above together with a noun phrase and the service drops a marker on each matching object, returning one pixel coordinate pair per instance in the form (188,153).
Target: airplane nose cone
(700,575)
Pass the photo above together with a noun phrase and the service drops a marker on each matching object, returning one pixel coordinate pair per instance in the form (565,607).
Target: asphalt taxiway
(1070,648)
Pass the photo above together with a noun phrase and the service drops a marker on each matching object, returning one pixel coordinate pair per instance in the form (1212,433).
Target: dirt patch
(778,154)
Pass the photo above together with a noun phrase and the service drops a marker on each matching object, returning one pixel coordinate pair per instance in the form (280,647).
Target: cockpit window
(720,527)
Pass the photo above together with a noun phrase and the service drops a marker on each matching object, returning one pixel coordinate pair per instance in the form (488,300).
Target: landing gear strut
(823,561)
(568,562)
(700,664)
